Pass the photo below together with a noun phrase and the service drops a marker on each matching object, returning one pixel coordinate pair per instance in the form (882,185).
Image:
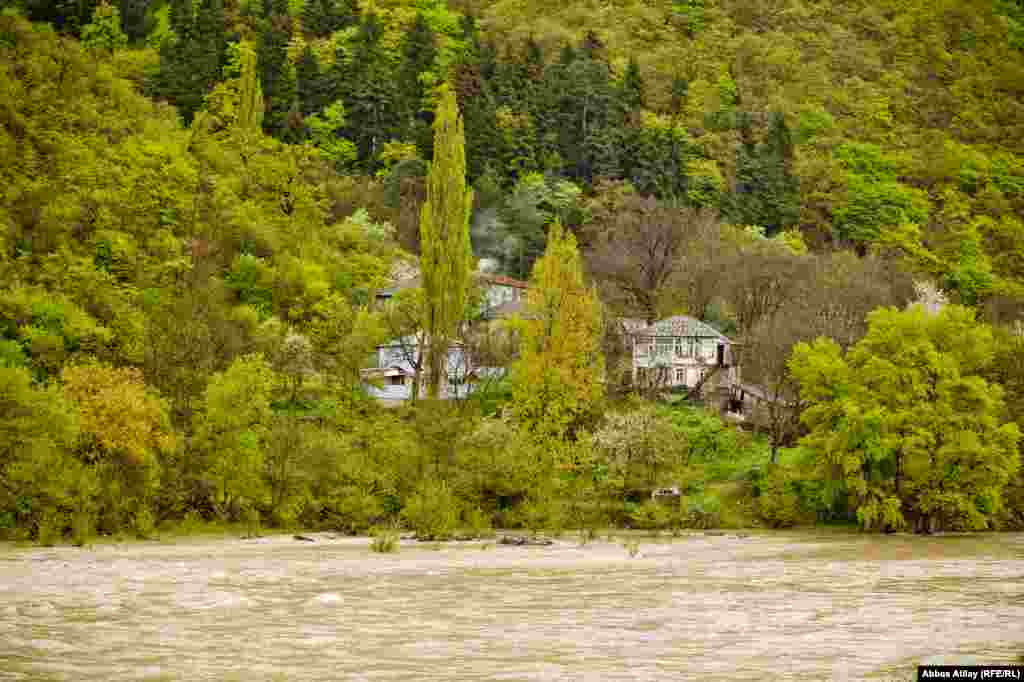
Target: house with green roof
(683,352)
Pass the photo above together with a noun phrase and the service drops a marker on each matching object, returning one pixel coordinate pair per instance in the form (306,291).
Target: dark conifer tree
(212,43)
(135,20)
(366,84)
(276,75)
(678,92)
(419,50)
(633,87)
(766,192)
(310,83)
(568,55)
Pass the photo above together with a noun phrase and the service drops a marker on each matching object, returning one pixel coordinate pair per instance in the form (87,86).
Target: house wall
(686,358)
(497,294)
(457,367)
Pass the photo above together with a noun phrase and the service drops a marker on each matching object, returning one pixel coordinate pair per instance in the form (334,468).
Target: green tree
(324,17)
(446,256)
(277,75)
(104,32)
(135,19)
(558,382)
(419,50)
(38,432)
(633,86)
(907,423)
(125,432)
(232,432)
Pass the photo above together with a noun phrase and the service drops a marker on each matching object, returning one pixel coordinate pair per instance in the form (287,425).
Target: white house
(682,351)
(393,378)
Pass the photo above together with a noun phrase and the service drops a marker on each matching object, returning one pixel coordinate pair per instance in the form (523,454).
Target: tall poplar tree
(558,382)
(446,256)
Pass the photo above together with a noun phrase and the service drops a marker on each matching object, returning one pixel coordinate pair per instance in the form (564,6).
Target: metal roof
(682,325)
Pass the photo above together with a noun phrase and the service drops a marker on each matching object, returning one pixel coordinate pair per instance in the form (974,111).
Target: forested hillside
(199,198)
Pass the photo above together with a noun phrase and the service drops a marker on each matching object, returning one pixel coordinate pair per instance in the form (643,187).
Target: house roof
(502,280)
(681,325)
(631,324)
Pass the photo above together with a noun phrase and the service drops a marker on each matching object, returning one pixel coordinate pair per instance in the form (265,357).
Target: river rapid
(808,606)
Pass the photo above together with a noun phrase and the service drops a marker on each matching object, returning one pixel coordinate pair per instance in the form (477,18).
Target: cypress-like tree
(558,381)
(446,257)
(250,93)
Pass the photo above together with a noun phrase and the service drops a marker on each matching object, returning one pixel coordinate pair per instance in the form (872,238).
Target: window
(397,381)
(681,376)
(641,346)
(664,345)
(684,347)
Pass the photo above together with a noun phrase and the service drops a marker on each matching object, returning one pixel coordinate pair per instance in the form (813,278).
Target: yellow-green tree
(906,421)
(232,433)
(125,429)
(446,257)
(558,382)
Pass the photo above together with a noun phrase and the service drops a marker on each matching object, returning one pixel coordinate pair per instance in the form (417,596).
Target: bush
(702,511)
(144,524)
(81,528)
(50,529)
(432,512)
(779,503)
(251,518)
(384,542)
(478,523)
(650,515)
(353,510)
(539,513)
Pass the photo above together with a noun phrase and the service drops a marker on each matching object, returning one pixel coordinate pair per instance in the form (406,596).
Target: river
(808,606)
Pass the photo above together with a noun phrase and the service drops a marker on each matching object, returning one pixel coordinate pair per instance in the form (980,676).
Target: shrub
(81,528)
(384,542)
(50,529)
(778,504)
(251,518)
(650,515)
(432,512)
(702,511)
(540,512)
(144,524)
(478,523)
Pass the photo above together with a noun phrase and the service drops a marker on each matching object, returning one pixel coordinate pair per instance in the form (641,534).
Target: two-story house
(400,362)
(682,351)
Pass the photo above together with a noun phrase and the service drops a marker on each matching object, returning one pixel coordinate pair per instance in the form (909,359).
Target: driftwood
(304,538)
(523,541)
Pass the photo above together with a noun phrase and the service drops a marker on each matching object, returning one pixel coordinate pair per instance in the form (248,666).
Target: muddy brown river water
(815,606)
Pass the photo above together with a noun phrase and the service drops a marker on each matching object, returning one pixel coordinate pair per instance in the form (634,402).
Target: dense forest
(201,197)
